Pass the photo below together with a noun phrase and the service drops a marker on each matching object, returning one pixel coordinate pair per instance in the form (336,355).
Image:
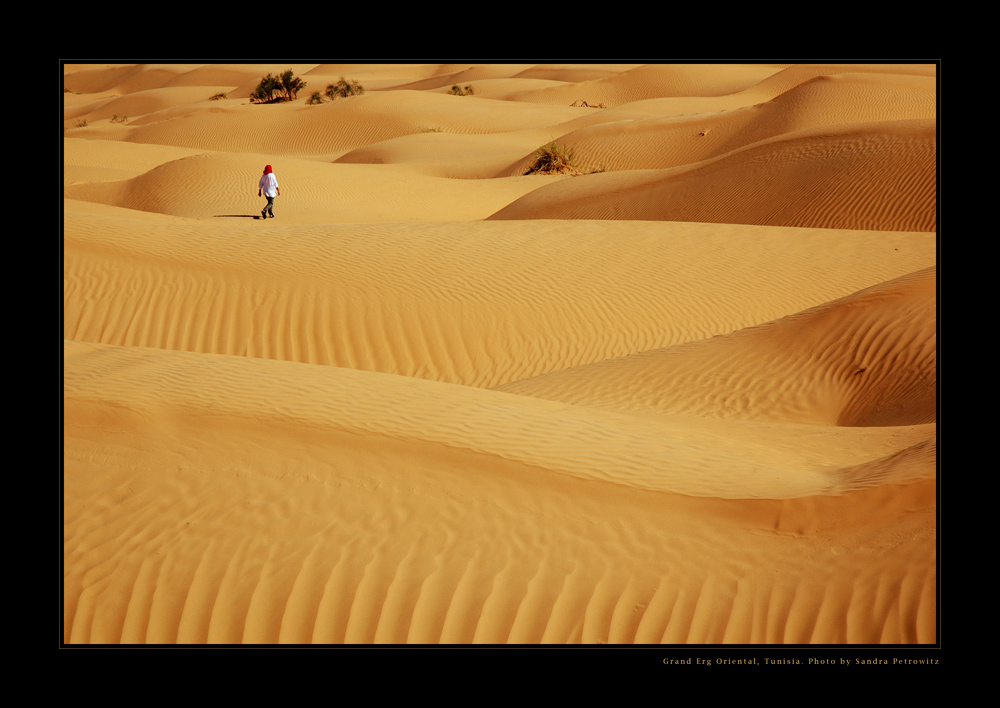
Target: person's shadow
(238,216)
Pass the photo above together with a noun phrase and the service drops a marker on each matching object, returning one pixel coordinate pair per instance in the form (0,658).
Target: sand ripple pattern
(351,428)
(880,177)
(689,397)
(868,359)
(475,304)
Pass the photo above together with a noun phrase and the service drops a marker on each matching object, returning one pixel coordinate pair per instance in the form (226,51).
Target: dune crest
(684,393)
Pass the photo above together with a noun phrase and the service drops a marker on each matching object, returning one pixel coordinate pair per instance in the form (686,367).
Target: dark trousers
(270,205)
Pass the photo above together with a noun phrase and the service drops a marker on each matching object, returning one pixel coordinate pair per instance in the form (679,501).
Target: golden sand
(685,397)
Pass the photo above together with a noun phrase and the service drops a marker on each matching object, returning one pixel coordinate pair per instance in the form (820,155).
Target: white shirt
(269,183)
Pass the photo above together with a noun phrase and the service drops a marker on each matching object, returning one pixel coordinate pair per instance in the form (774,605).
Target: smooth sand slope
(688,398)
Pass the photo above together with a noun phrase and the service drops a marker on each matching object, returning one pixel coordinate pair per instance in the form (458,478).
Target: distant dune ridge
(685,396)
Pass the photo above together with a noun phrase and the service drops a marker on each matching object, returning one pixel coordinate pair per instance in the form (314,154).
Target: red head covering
(268,170)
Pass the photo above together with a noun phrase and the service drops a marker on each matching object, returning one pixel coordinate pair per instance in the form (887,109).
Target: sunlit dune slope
(580,442)
(124,79)
(226,499)
(331,128)
(476,304)
(684,392)
(865,359)
(645,81)
(879,176)
(213,185)
(673,134)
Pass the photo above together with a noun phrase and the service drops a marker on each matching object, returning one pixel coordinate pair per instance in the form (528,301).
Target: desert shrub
(265,90)
(82,123)
(119,119)
(277,88)
(218,96)
(343,89)
(314,99)
(553,159)
(291,85)
(459,91)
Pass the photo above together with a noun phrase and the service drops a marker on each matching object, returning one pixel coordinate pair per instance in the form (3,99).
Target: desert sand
(685,395)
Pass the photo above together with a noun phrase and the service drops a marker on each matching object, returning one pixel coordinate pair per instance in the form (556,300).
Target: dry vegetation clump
(552,159)
(555,159)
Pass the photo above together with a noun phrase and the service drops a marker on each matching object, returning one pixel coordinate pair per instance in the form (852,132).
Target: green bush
(343,89)
(277,88)
(265,90)
(291,85)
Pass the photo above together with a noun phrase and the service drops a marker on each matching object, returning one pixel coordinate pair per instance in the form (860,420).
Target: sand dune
(866,359)
(648,135)
(470,303)
(821,167)
(688,399)
(244,494)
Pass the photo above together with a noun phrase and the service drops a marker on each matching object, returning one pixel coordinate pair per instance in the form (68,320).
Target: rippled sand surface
(684,395)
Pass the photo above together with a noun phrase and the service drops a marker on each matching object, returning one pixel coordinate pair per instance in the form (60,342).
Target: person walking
(268,184)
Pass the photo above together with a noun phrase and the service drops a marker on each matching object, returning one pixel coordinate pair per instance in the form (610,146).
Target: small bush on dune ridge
(459,91)
(277,88)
